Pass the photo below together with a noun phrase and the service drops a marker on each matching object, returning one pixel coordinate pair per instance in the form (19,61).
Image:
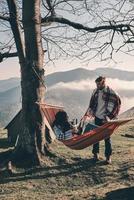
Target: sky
(10,67)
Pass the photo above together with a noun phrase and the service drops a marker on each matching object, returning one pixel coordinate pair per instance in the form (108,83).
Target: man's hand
(89,113)
(106,119)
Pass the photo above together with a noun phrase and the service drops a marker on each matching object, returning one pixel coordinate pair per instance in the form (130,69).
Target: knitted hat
(100,78)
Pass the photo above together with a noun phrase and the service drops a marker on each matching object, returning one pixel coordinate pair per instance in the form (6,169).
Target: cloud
(88,84)
(75,85)
(117,85)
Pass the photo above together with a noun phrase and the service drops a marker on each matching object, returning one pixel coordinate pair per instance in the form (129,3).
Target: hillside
(71,89)
(10,102)
(73,75)
(83,74)
(128,114)
(116,73)
(9,84)
(72,175)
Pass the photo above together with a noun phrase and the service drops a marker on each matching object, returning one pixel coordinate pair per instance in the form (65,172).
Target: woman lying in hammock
(63,129)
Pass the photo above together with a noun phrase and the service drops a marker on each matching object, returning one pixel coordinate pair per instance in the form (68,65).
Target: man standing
(104,104)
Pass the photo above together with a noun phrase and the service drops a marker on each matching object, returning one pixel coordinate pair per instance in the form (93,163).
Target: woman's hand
(75,129)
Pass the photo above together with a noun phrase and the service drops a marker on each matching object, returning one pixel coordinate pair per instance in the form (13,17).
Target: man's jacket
(111,99)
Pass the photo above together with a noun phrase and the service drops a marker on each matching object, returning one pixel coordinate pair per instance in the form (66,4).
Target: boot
(108,160)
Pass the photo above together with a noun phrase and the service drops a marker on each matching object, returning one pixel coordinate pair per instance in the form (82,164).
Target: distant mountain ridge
(116,73)
(128,114)
(74,100)
(9,84)
(73,75)
(83,74)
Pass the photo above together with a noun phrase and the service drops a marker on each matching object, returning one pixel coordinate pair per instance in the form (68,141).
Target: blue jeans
(108,146)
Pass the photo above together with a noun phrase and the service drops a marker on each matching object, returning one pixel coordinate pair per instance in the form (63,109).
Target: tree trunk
(33,88)
(32,139)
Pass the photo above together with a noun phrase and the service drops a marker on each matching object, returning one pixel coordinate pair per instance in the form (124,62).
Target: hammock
(91,137)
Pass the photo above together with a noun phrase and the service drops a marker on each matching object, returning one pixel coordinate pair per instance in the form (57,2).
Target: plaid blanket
(111,99)
(60,135)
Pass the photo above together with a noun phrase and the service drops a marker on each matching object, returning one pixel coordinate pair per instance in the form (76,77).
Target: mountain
(71,89)
(75,102)
(116,73)
(69,76)
(127,114)
(84,74)
(10,104)
(9,84)
(10,96)
(72,75)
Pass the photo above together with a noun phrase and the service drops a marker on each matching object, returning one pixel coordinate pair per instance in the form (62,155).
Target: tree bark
(32,139)
(33,88)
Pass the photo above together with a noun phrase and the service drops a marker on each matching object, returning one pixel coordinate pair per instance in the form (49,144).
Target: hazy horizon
(10,67)
(124,87)
(7,73)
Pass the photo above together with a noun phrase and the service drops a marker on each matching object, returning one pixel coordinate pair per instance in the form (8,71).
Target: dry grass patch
(73,175)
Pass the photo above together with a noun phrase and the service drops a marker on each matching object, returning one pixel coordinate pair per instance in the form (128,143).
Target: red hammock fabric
(94,136)
(50,111)
(79,142)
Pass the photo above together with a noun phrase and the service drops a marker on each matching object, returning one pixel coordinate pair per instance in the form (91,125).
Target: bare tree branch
(14,22)
(119,27)
(7,55)
(4,18)
(76,27)
(51,7)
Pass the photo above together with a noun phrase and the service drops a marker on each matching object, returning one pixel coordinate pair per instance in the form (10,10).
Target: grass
(73,175)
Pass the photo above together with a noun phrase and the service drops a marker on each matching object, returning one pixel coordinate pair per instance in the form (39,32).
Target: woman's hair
(61,118)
